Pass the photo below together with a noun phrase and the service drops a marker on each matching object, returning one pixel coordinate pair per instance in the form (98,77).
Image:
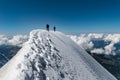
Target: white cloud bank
(82,40)
(17,40)
(98,51)
(86,42)
(3,39)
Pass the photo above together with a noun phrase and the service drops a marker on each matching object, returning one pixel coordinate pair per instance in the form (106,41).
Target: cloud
(86,41)
(98,51)
(114,38)
(3,39)
(18,40)
(110,49)
(82,40)
(95,36)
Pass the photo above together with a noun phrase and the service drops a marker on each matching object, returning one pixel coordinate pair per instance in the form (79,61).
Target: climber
(54,28)
(47,27)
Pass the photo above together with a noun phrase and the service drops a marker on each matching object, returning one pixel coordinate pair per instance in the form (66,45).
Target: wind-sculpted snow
(52,56)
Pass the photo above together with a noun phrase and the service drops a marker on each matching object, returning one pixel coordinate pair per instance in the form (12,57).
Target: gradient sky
(69,16)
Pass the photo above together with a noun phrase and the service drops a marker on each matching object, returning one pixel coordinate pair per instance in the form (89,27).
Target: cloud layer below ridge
(99,43)
(16,40)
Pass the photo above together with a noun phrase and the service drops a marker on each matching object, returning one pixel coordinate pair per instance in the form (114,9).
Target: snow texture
(52,56)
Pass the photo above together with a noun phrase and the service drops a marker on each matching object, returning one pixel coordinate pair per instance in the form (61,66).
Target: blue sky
(69,16)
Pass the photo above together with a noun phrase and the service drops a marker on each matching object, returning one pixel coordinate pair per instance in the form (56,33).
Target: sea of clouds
(16,40)
(99,43)
(94,42)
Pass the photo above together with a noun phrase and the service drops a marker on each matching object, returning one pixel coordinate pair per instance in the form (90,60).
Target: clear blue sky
(69,16)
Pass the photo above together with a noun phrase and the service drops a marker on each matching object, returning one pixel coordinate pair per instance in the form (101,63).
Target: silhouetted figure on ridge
(54,28)
(47,27)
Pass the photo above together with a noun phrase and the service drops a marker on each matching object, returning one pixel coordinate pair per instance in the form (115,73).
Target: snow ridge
(52,56)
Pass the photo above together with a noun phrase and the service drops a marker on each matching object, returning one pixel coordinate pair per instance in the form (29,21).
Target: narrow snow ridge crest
(52,56)
(42,58)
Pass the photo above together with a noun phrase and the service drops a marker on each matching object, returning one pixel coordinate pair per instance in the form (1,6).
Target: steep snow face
(52,56)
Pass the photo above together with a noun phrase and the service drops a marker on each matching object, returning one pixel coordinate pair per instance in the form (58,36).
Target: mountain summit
(52,56)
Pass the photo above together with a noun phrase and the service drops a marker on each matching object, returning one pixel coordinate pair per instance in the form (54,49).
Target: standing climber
(54,28)
(47,27)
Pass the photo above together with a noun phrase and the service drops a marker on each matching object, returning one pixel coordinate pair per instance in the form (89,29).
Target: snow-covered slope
(52,56)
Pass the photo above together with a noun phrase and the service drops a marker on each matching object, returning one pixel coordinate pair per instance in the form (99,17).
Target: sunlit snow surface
(52,56)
